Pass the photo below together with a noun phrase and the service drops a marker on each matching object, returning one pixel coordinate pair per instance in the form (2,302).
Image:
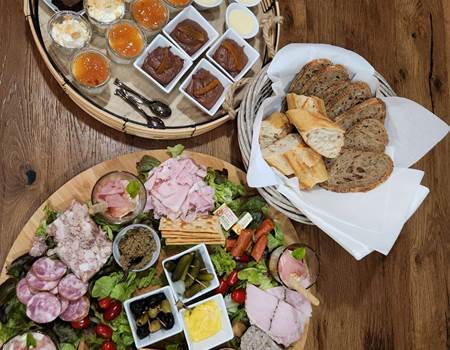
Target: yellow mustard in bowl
(203,321)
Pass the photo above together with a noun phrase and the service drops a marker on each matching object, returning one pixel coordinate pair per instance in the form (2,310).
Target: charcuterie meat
(39,246)
(48,269)
(19,342)
(72,288)
(76,310)
(54,290)
(64,304)
(43,307)
(23,292)
(37,284)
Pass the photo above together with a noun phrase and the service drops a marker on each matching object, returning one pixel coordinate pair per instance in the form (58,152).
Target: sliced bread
(367,135)
(273,128)
(310,103)
(274,153)
(358,171)
(330,94)
(308,70)
(373,108)
(323,79)
(349,97)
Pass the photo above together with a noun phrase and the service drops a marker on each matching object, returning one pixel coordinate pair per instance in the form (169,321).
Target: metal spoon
(159,108)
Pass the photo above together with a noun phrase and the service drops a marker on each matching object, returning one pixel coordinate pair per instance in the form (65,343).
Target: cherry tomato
(108,345)
(82,324)
(232,278)
(223,286)
(238,295)
(112,311)
(104,331)
(243,258)
(104,303)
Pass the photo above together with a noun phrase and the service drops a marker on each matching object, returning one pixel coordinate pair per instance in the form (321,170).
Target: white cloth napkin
(359,222)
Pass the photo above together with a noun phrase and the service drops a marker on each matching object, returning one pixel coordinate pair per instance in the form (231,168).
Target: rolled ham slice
(48,269)
(43,307)
(72,288)
(23,291)
(76,310)
(38,285)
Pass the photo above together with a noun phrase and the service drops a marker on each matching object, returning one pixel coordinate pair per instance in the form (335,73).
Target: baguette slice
(308,71)
(274,153)
(319,133)
(367,135)
(311,104)
(373,108)
(274,128)
(355,93)
(358,171)
(328,76)
(308,166)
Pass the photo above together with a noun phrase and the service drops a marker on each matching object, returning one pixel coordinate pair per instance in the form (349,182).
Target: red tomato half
(108,345)
(238,295)
(82,324)
(104,331)
(113,311)
(104,303)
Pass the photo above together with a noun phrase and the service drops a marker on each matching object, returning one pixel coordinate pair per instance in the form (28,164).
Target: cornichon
(197,287)
(193,270)
(182,267)
(170,265)
(205,276)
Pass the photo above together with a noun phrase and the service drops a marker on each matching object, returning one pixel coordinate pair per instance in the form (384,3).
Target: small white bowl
(201,248)
(204,63)
(224,335)
(248,3)
(202,6)
(52,7)
(123,232)
(191,13)
(251,17)
(164,42)
(249,51)
(161,334)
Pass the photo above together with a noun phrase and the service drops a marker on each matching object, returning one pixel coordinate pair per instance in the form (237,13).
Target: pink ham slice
(76,310)
(72,288)
(23,291)
(48,269)
(43,307)
(36,284)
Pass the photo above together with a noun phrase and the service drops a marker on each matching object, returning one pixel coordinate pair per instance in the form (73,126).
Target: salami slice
(72,288)
(54,291)
(64,304)
(43,307)
(76,310)
(48,269)
(36,284)
(23,292)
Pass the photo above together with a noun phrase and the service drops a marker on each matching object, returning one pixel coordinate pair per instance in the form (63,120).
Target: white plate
(161,334)
(158,41)
(204,63)
(249,51)
(201,248)
(191,13)
(224,335)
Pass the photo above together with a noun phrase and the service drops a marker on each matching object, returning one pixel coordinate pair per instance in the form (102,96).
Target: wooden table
(394,302)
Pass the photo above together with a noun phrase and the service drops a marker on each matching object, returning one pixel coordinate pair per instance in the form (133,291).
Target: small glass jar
(125,41)
(116,183)
(177,5)
(102,18)
(150,15)
(91,71)
(69,31)
(282,264)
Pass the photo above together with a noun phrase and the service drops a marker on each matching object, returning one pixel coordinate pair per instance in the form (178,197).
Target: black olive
(143,331)
(138,307)
(167,320)
(154,300)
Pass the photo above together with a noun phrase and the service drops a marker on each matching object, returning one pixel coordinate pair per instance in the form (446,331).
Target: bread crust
(307,72)
(356,114)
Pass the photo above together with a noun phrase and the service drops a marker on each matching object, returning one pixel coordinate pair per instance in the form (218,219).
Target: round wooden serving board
(80,188)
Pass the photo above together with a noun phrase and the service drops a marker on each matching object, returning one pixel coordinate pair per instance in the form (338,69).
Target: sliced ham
(72,288)
(76,310)
(289,265)
(43,307)
(36,284)
(23,291)
(48,269)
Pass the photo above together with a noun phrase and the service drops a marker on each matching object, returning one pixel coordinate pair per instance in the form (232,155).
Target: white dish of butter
(207,4)
(242,20)
(249,3)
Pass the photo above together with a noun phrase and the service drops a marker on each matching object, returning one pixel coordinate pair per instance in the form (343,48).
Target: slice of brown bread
(355,93)
(330,94)
(308,71)
(358,171)
(367,135)
(323,79)
(373,108)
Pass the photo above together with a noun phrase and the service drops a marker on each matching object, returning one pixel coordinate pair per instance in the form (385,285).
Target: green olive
(165,306)
(154,326)
(142,320)
(153,312)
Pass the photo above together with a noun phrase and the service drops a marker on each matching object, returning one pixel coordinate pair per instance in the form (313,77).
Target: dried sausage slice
(76,310)
(72,288)
(23,292)
(48,269)
(43,307)
(36,284)
(64,304)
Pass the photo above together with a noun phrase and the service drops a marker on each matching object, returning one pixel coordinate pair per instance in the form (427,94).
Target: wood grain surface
(396,302)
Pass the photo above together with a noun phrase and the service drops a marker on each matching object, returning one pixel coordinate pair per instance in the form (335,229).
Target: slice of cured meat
(48,269)
(71,287)
(76,310)
(23,292)
(64,304)
(54,291)
(43,307)
(36,284)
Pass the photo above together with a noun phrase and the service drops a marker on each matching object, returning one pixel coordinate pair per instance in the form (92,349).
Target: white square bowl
(204,63)
(191,13)
(223,336)
(249,51)
(162,333)
(158,41)
(201,248)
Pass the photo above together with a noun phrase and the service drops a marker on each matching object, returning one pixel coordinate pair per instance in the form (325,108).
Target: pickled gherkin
(182,267)
(205,276)
(195,288)
(194,269)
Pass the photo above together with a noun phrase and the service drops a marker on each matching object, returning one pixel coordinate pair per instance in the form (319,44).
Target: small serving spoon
(160,109)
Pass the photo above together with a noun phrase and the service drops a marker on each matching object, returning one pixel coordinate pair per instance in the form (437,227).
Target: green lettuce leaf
(276,239)
(225,191)
(146,164)
(176,150)
(223,261)
(258,275)
(133,188)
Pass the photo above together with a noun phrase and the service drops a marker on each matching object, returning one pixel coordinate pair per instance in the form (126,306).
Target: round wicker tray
(187,120)
(258,90)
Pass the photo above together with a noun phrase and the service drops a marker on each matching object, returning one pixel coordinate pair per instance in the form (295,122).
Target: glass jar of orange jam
(125,41)
(150,15)
(178,4)
(91,70)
